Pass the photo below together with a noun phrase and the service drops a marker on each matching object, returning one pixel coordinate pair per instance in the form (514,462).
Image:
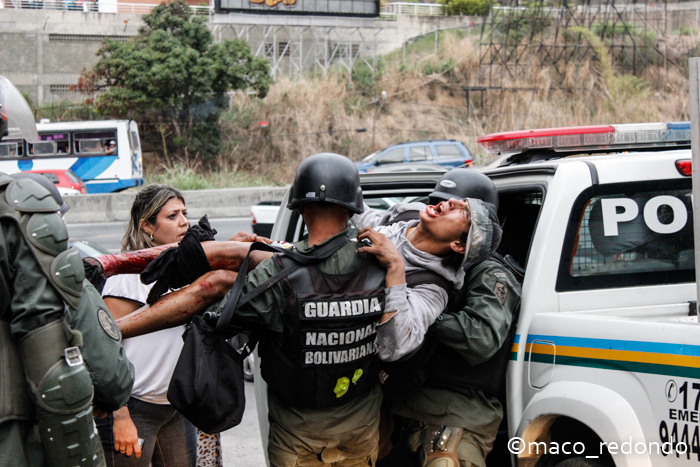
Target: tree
(172,78)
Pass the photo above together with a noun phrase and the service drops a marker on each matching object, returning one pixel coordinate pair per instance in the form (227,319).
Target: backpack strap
(424,276)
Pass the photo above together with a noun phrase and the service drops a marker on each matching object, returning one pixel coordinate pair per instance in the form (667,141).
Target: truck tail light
(685,167)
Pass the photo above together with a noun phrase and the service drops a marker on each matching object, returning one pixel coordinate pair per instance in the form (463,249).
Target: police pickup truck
(605,366)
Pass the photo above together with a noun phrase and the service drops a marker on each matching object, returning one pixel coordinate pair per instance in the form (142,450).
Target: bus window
(60,143)
(43,148)
(94,142)
(10,149)
(134,139)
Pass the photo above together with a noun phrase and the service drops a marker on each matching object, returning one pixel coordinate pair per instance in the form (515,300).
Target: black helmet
(327,178)
(16,118)
(48,184)
(465,183)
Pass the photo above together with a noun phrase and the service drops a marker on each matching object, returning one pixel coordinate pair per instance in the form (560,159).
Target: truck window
(518,212)
(627,235)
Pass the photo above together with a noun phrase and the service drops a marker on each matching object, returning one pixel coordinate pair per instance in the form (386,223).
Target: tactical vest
(326,356)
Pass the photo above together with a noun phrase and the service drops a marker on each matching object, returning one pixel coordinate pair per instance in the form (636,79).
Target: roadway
(109,234)
(241,445)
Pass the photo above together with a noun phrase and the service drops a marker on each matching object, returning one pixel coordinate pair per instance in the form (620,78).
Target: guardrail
(414,9)
(90,5)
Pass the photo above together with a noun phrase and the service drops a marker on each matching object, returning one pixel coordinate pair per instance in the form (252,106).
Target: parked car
(65,180)
(448,153)
(87,248)
(409,167)
(263,217)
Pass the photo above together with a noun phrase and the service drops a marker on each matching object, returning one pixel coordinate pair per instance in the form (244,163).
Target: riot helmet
(16,118)
(465,183)
(327,178)
(48,184)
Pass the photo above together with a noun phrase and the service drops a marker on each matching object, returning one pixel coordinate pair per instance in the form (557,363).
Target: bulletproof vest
(326,356)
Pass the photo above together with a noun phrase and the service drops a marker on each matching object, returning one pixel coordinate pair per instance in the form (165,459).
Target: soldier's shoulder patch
(108,324)
(501,291)
(502,276)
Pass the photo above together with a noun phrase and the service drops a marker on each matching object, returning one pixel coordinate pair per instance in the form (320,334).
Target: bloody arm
(220,255)
(178,307)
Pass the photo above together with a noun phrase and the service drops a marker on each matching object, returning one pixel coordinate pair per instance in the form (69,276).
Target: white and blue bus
(106,154)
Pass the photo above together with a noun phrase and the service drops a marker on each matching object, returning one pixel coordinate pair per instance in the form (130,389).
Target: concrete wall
(44,51)
(41,48)
(231,202)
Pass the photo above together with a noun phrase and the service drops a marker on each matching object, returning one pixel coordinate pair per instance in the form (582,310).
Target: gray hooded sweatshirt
(418,307)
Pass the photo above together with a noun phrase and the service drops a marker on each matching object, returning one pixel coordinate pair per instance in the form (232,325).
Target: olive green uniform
(476,330)
(348,433)
(29,301)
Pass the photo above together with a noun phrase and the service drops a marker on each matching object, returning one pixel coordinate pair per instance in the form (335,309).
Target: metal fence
(414,9)
(89,5)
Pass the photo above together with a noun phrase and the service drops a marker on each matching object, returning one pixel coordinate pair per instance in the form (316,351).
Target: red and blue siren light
(589,138)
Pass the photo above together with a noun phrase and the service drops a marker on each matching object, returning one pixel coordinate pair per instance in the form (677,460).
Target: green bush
(467,7)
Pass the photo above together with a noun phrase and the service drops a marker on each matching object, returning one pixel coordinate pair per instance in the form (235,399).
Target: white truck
(605,367)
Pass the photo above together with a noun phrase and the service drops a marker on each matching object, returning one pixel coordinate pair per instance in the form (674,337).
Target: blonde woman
(158,217)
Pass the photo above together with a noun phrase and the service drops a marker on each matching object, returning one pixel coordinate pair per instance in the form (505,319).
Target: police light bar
(594,138)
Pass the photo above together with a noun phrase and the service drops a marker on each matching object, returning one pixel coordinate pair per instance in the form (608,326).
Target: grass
(424,101)
(187,178)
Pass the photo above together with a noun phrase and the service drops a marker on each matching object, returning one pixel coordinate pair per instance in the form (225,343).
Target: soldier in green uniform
(60,351)
(452,418)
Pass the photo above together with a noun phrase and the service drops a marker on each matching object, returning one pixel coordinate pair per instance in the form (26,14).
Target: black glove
(180,265)
(93,273)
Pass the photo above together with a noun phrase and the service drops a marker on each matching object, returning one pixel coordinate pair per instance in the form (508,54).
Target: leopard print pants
(209,450)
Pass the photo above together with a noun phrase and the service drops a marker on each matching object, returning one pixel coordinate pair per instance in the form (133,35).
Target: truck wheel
(579,462)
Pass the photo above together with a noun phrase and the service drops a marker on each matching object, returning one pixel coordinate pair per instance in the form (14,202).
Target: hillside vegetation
(424,101)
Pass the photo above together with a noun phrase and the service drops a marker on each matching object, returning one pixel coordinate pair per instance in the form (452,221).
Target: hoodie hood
(484,233)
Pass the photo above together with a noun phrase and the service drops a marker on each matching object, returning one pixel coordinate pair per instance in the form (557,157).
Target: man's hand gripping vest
(53,364)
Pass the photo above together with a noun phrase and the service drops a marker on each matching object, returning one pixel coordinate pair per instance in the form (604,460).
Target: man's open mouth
(435,211)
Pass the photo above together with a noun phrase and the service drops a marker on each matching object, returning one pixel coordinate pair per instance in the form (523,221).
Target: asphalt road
(109,234)
(241,445)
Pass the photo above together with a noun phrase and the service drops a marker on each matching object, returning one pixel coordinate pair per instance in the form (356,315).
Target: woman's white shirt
(154,355)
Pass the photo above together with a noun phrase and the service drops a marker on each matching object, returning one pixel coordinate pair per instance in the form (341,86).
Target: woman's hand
(126,437)
(386,253)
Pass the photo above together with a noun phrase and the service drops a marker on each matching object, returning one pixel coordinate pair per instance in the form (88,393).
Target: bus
(105,154)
